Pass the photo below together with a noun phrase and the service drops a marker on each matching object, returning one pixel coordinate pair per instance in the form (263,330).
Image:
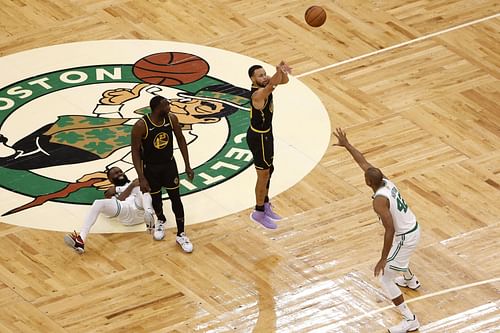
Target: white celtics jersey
(131,198)
(130,210)
(402,216)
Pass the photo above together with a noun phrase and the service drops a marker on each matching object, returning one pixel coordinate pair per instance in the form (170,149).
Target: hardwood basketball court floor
(416,86)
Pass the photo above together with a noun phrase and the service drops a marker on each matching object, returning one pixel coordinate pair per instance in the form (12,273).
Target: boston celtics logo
(64,124)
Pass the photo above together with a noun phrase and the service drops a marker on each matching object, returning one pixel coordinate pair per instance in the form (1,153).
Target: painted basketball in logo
(170,68)
(60,130)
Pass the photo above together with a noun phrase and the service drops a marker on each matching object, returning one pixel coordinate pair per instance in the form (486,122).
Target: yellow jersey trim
(152,122)
(147,129)
(259,131)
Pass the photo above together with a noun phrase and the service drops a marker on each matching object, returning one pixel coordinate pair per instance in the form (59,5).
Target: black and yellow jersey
(261,120)
(157,144)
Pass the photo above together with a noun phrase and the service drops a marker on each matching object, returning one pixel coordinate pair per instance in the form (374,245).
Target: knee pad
(390,287)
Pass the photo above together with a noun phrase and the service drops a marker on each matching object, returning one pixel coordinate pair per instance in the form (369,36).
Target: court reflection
(264,285)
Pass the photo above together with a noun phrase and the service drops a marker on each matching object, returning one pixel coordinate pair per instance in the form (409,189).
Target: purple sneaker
(260,217)
(269,212)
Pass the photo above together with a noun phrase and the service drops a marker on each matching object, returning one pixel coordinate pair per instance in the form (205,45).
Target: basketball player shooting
(260,138)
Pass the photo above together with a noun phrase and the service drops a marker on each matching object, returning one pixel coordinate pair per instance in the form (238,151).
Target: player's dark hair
(375,175)
(252,70)
(109,170)
(155,101)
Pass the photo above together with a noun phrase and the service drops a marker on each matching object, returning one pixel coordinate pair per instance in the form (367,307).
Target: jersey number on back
(402,206)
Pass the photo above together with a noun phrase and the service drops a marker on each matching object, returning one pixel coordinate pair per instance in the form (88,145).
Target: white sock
(405,311)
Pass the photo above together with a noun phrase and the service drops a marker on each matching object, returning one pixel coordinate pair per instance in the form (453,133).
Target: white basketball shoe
(413,283)
(184,242)
(406,326)
(159,232)
(149,220)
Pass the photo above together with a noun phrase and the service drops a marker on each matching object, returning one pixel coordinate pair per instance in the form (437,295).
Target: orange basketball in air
(315,16)
(170,68)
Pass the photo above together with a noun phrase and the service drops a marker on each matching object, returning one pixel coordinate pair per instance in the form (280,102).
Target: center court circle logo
(65,121)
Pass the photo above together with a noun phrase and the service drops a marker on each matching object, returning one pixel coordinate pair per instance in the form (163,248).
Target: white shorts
(402,248)
(129,213)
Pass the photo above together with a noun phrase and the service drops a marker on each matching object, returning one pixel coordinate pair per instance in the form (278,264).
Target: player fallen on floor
(123,200)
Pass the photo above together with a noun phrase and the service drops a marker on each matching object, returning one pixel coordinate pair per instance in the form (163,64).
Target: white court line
(434,34)
(419,298)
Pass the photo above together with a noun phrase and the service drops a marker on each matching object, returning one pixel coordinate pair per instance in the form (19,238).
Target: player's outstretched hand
(341,138)
(286,69)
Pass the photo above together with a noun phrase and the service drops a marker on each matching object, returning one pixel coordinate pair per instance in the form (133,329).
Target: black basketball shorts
(162,175)
(262,147)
